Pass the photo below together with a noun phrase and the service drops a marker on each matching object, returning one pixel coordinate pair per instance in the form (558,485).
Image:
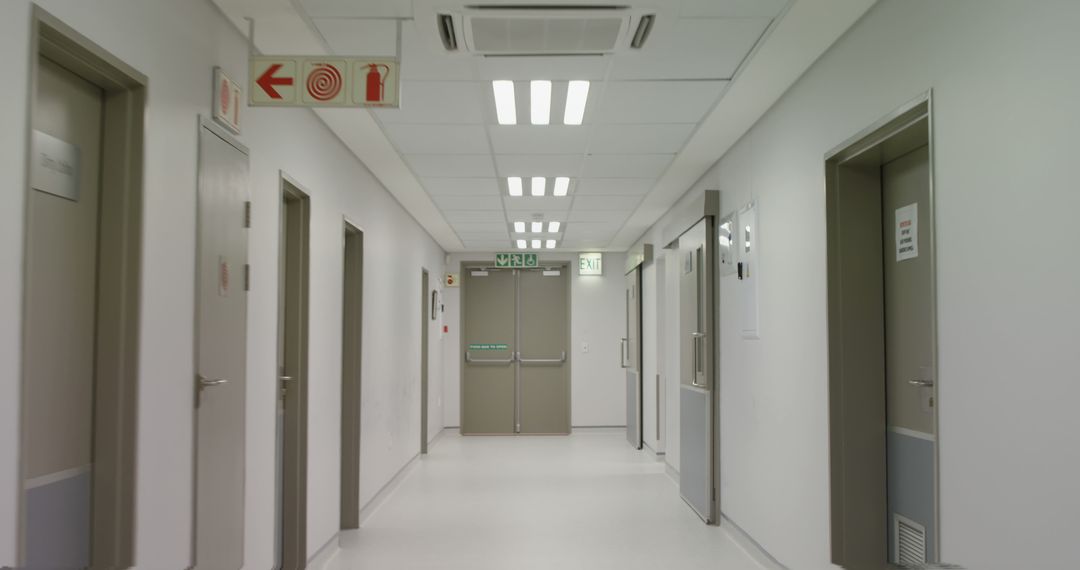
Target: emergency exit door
(515,369)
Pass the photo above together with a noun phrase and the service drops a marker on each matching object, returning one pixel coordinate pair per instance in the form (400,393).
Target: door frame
(425,330)
(119,281)
(351,408)
(295,529)
(888,136)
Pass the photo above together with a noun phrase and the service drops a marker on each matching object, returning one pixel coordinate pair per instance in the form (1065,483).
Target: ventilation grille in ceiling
(910,541)
(545,30)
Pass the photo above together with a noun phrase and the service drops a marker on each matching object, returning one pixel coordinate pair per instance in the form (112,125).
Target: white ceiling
(644,137)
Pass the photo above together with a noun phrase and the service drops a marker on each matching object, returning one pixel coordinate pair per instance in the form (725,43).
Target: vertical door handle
(624,358)
(699,366)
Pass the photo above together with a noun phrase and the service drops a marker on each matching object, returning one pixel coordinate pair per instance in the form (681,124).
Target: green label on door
(516,260)
(489,347)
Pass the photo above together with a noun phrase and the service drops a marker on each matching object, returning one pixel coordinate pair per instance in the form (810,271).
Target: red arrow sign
(267,81)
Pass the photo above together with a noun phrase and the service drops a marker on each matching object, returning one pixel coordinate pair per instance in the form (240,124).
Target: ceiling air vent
(447,33)
(545,30)
(643,28)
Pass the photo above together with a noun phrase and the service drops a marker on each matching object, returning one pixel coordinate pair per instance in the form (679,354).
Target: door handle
(558,360)
(921,383)
(624,344)
(205,382)
(471,360)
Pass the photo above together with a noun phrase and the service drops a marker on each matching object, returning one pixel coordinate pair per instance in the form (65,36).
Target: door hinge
(247,277)
(247,214)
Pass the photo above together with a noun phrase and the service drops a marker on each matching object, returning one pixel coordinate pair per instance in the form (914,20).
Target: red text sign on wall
(299,81)
(228,96)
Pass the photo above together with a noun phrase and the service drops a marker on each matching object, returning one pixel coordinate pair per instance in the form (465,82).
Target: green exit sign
(517,260)
(591,264)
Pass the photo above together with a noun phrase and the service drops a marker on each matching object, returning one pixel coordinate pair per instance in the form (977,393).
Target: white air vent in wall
(910,540)
(541,30)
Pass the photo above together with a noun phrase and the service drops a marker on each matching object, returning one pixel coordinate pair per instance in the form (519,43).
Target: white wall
(1005,91)
(597,306)
(176,44)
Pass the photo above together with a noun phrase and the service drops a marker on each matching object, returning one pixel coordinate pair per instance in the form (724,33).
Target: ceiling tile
(698,48)
(638,102)
(438,139)
(626,166)
(614,186)
(732,8)
(543,165)
(439,102)
(529,139)
(528,203)
(469,203)
(460,166)
(474,216)
(489,236)
(480,227)
(639,139)
(461,186)
(605,203)
(351,36)
(489,245)
(542,67)
(354,9)
(577,217)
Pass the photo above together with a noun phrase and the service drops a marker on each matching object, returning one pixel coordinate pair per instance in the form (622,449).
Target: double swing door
(515,369)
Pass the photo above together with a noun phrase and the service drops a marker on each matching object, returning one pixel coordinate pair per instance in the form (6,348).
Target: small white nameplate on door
(55,167)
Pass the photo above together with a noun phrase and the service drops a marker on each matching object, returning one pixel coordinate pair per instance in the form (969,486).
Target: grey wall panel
(58,522)
(694,462)
(911,477)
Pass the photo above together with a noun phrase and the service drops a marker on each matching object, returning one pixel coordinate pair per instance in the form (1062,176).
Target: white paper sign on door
(907,232)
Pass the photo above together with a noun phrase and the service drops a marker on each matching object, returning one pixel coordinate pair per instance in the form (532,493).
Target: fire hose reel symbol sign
(325,82)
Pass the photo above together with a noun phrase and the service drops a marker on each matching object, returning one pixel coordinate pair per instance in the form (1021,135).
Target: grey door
(543,368)
(488,381)
(631,358)
(221,345)
(696,405)
(909,358)
(60,321)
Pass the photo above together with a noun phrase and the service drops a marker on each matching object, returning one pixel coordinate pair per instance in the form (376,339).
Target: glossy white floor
(586,502)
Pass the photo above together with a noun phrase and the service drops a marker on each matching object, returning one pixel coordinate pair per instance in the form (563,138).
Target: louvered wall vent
(541,30)
(910,540)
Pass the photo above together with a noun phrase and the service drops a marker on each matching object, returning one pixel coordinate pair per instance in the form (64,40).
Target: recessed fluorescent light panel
(562,185)
(514,183)
(521,244)
(553,227)
(540,99)
(505,104)
(551,244)
(539,185)
(536,244)
(577,95)
(519,227)
(537,227)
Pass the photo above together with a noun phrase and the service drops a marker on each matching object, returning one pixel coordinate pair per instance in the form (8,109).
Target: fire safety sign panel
(297,81)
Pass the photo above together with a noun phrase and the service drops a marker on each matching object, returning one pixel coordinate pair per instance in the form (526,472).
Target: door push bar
(503,361)
(561,359)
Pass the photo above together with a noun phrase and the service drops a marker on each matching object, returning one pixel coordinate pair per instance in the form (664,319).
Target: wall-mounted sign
(517,260)
(54,168)
(228,96)
(907,232)
(452,279)
(591,264)
(298,81)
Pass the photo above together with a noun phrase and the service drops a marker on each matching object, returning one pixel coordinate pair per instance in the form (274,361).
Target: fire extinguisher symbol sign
(375,83)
